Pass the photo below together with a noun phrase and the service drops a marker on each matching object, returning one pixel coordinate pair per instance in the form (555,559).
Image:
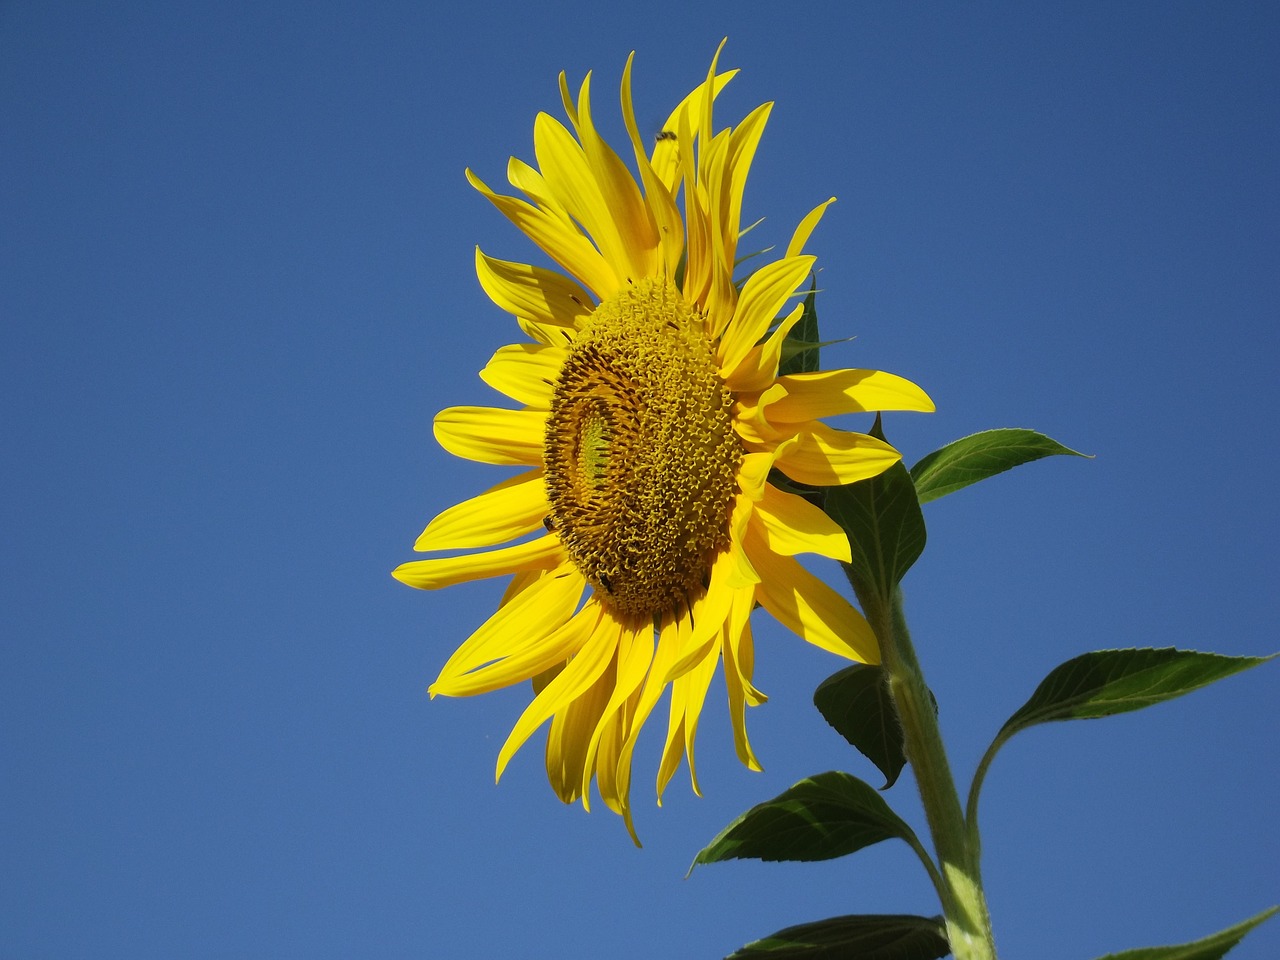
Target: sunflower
(646,524)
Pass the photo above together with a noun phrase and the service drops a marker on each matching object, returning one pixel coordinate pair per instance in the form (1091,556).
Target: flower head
(644,527)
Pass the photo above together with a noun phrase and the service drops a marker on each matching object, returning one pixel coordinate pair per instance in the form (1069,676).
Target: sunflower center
(640,453)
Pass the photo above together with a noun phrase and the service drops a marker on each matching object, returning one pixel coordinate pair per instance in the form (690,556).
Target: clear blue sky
(237,284)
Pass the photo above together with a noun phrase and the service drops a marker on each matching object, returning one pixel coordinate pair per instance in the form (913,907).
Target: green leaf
(979,456)
(856,702)
(870,937)
(800,347)
(885,527)
(1108,682)
(821,817)
(1210,948)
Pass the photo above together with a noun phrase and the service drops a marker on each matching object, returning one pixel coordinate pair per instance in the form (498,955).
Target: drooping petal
(669,644)
(541,554)
(688,694)
(739,663)
(825,457)
(635,656)
(789,525)
(533,632)
(710,611)
(492,435)
(809,608)
(504,512)
(576,717)
(596,640)
(828,393)
(525,372)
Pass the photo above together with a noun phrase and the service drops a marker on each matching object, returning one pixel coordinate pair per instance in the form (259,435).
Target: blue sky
(238,285)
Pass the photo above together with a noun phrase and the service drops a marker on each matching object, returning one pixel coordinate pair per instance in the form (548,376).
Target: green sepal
(882,519)
(800,346)
(979,456)
(868,937)
(822,817)
(1210,948)
(792,348)
(856,702)
(1108,682)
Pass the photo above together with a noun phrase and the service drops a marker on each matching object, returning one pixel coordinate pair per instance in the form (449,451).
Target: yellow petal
(595,648)
(576,717)
(541,554)
(572,182)
(805,228)
(529,181)
(525,372)
(623,209)
(739,662)
(688,694)
(532,633)
(635,655)
(503,512)
(666,154)
(613,732)
(743,142)
(753,471)
(826,457)
(759,367)
(669,644)
(710,611)
(789,525)
(828,393)
(740,571)
(492,435)
(568,247)
(761,300)
(661,203)
(809,608)
(546,297)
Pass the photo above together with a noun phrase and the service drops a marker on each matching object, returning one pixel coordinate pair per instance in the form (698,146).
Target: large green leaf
(1210,948)
(800,346)
(824,816)
(882,519)
(979,456)
(856,702)
(1108,682)
(871,937)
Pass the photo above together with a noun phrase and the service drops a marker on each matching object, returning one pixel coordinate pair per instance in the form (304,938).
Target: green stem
(964,904)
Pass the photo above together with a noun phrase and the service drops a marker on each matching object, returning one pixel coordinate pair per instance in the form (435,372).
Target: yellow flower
(652,414)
